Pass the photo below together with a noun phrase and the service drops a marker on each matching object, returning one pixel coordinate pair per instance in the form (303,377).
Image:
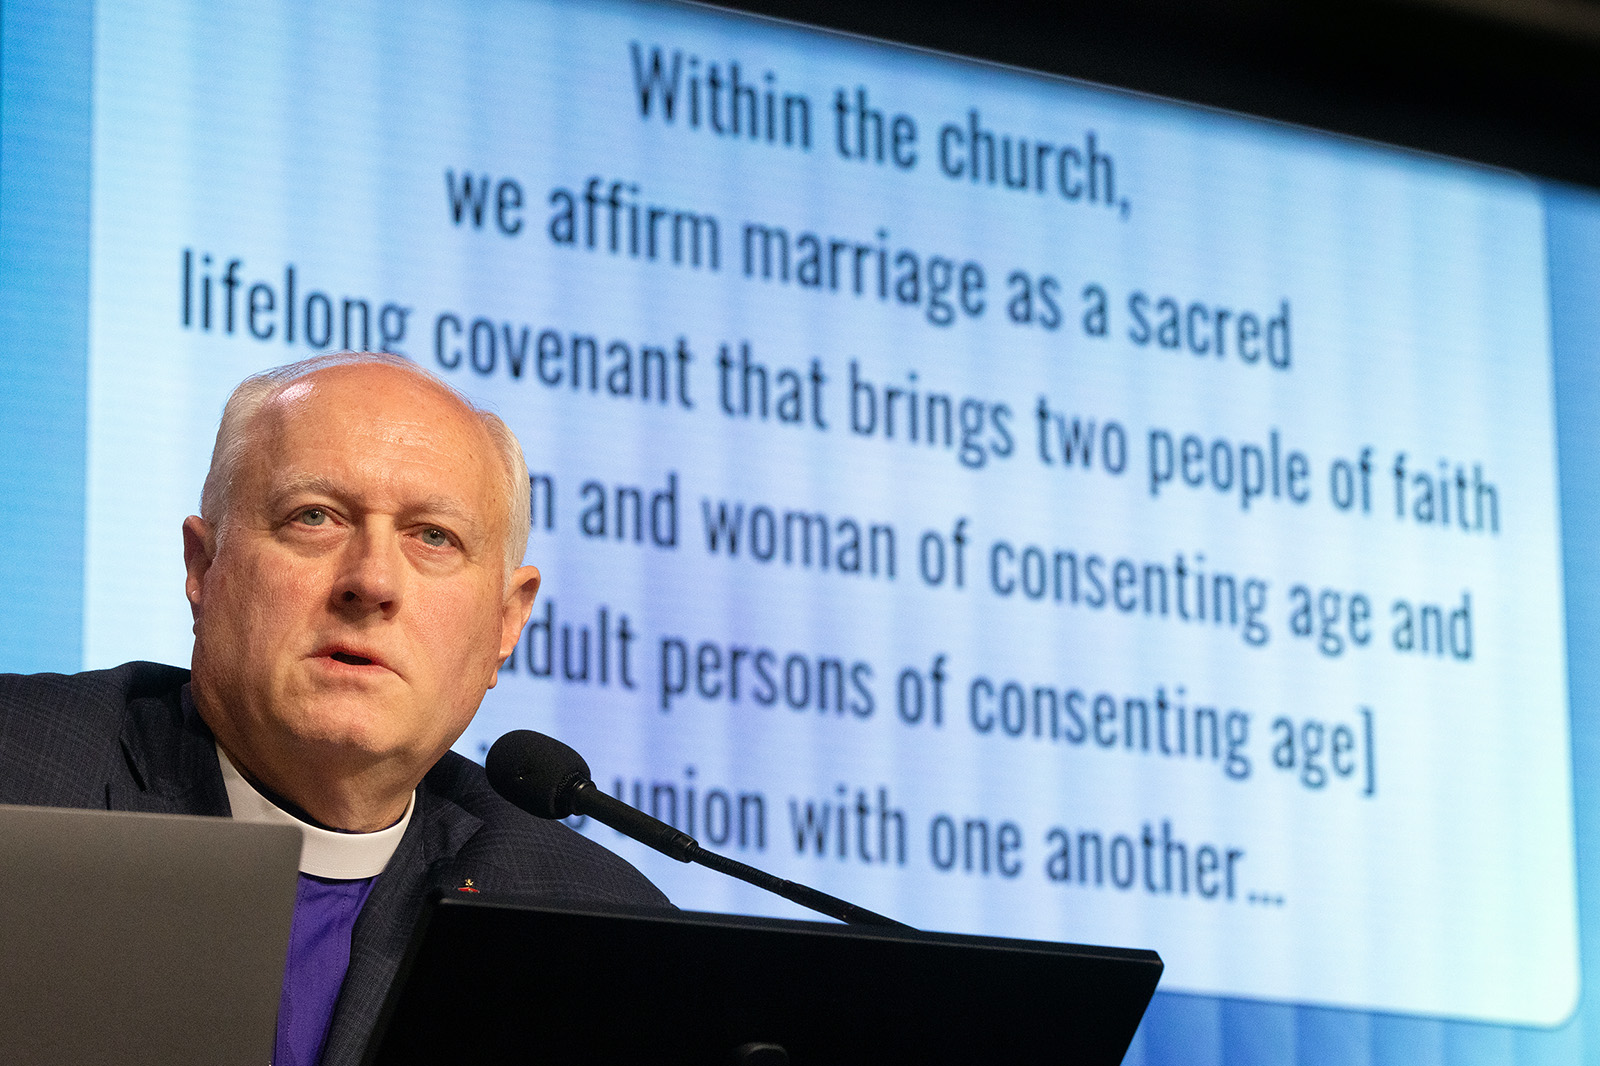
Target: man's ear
(520,591)
(199,549)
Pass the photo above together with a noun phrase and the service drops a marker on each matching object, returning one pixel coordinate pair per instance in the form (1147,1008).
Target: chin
(352,727)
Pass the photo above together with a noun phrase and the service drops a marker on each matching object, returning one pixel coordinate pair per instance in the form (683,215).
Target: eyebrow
(309,484)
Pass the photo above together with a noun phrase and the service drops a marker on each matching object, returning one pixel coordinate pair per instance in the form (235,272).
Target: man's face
(354,606)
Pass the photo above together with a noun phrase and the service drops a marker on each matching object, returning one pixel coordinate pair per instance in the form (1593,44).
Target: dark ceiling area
(1512,83)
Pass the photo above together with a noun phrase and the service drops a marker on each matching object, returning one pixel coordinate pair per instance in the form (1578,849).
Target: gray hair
(252,394)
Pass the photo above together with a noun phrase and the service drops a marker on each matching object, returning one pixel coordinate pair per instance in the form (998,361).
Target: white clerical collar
(323,852)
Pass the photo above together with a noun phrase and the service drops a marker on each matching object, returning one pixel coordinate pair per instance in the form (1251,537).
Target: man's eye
(435,538)
(312,516)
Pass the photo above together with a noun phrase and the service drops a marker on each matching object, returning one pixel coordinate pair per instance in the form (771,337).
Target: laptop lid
(134,939)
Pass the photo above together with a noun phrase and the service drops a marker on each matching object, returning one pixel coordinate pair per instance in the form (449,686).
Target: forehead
(374,429)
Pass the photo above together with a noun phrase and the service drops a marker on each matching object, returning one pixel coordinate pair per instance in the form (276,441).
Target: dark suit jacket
(121,740)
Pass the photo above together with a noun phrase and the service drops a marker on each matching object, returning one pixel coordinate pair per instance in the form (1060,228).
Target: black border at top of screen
(1462,78)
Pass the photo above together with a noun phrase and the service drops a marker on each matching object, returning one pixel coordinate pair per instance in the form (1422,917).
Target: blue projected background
(1021,507)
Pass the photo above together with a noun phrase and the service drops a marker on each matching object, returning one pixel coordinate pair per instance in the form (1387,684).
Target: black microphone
(548,779)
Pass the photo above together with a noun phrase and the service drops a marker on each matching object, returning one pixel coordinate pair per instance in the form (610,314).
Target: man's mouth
(345,655)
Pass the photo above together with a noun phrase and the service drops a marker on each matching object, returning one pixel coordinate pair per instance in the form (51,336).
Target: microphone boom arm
(588,799)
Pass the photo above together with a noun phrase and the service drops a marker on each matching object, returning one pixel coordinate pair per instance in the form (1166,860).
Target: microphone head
(536,772)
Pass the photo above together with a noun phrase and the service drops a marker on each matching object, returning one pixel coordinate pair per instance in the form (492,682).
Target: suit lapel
(438,831)
(169,761)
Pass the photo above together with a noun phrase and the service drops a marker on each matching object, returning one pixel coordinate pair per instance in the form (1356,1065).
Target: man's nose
(370,575)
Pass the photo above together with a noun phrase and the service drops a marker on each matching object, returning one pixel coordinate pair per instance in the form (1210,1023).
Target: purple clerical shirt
(325,912)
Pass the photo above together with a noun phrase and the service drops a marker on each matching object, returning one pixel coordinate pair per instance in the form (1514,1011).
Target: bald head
(237,434)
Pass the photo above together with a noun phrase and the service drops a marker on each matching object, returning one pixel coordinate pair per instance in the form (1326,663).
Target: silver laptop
(129,939)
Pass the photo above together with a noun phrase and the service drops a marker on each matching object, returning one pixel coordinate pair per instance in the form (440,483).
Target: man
(355,584)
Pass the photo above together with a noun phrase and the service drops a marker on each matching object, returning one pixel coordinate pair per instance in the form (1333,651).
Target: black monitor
(491,983)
